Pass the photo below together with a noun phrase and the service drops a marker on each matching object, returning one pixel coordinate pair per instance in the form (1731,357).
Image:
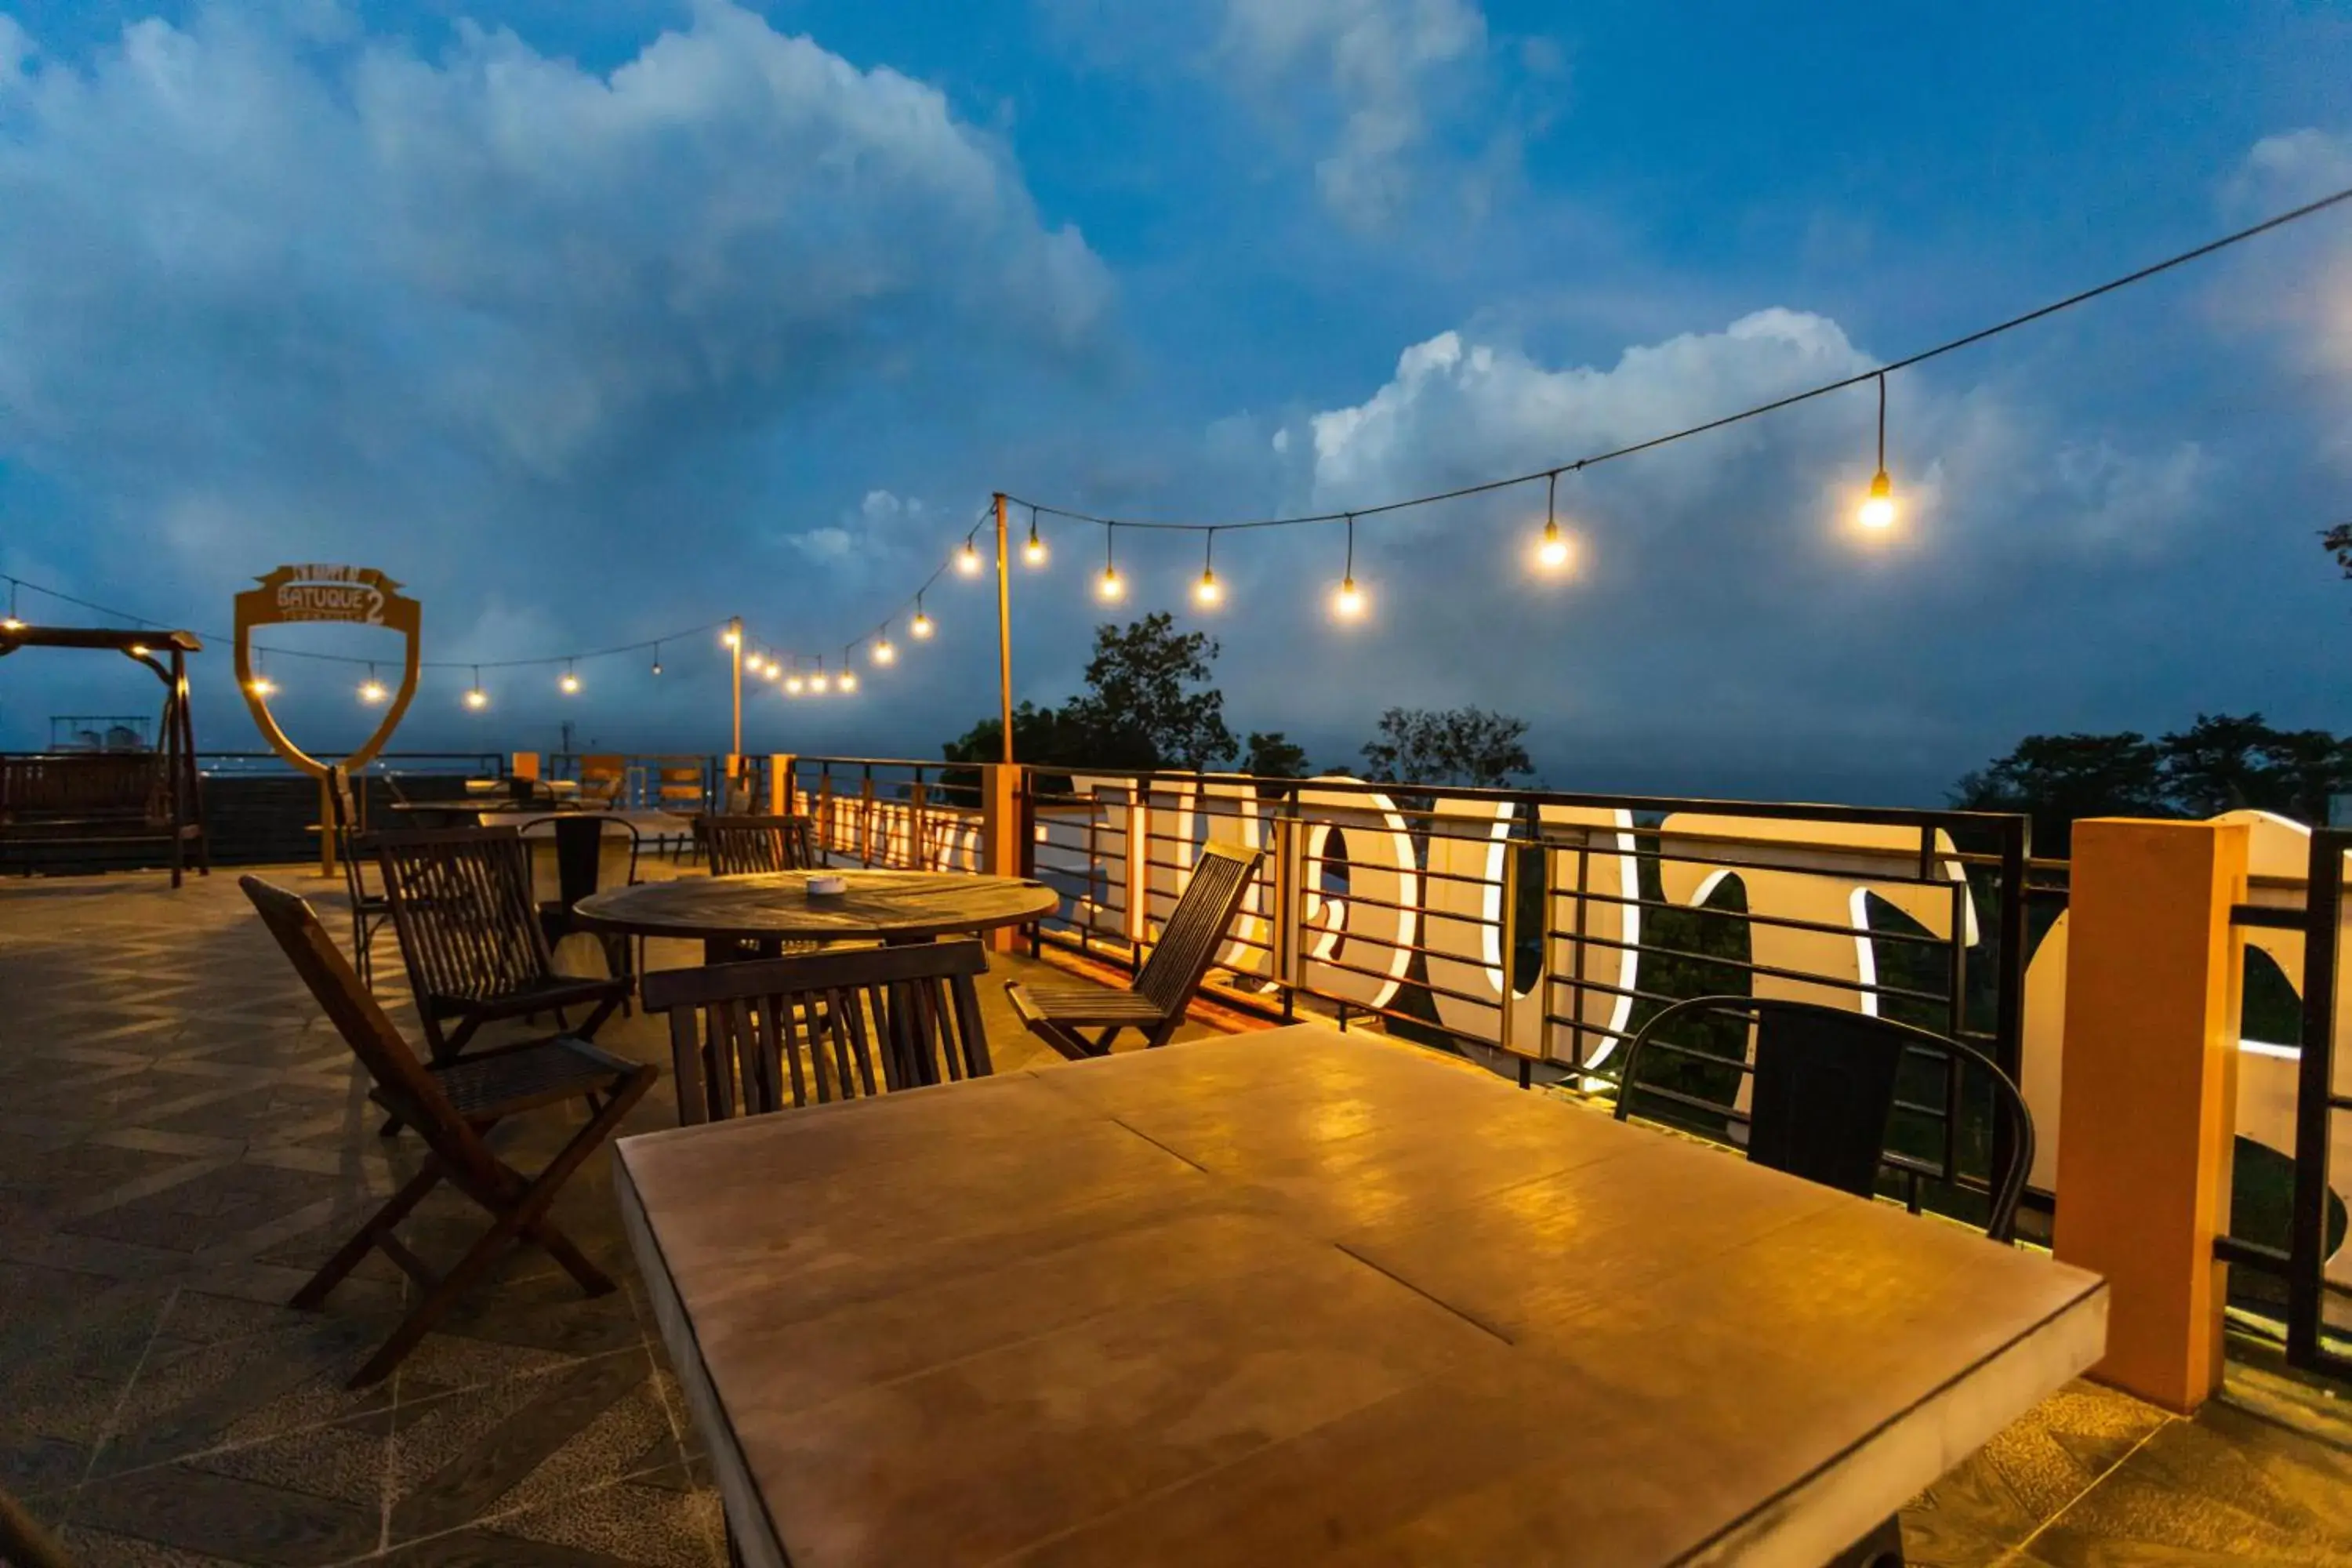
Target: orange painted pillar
(2149,1079)
(780,783)
(1001,786)
(524,765)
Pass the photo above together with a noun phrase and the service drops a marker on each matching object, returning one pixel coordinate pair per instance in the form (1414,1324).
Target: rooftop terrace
(183,1137)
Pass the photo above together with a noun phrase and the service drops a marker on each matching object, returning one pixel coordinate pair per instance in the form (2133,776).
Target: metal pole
(1003,630)
(735,650)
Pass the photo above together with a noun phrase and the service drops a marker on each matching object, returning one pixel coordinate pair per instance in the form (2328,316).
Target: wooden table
(1300,1297)
(887,906)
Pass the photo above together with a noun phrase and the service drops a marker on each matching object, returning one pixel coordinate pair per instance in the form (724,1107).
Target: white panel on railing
(1230,812)
(1611,878)
(1370,928)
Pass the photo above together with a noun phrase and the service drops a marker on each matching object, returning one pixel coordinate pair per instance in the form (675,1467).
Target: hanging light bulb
(1347,601)
(475,698)
(1878,505)
(817,681)
(13,624)
(1109,588)
(372,689)
(1034,553)
(882,652)
(847,679)
(1208,592)
(657,658)
(774,672)
(260,685)
(1551,550)
(138,650)
(793,684)
(921,626)
(570,683)
(732,636)
(968,558)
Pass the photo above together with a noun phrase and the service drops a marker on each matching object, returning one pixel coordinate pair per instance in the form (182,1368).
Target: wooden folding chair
(778,1032)
(745,846)
(1165,987)
(452,1107)
(471,935)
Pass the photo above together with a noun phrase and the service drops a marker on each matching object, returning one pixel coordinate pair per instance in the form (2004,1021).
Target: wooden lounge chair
(452,1107)
(471,935)
(738,846)
(370,910)
(786,1032)
(1164,987)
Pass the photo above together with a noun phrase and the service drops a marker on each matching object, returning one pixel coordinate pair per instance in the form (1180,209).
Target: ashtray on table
(826,887)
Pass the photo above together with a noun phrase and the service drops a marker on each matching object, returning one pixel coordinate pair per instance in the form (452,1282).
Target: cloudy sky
(596,320)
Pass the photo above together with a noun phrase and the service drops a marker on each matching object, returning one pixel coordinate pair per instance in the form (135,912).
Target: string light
(372,689)
(1551,550)
(1348,600)
(882,652)
(793,684)
(1108,587)
(1034,553)
(138,650)
(1878,506)
(15,624)
(968,558)
(921,626)
(657,658)
(260,685)
(848,680)
(1208,592)
(570,684)
(817,681)
(475,698)
(732,637)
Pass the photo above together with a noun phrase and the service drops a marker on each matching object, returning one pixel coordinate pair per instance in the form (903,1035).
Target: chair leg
(1882,1547)
(347,1258)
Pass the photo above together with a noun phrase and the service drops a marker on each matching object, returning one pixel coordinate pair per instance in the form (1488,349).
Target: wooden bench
(92,798)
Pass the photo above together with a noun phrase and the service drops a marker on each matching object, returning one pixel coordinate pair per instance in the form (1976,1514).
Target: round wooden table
(774,906)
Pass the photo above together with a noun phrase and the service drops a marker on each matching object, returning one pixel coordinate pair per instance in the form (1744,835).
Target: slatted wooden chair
(370,909)
(604,776)
(1165,987)
(739,845)
(810,1028)
(471,935)
(452,1107)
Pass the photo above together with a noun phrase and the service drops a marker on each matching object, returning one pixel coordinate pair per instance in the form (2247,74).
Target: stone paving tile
(182,1140)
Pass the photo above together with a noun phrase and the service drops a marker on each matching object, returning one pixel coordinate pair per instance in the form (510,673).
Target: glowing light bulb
(1109,585)
(775,671)
(1551,551)
(657,667)
(260,685)
(138,650)
(1878,506)
(732,637)
(816,683)
(793,685)
(1208,592)
(921,624)
(968,559)
(1348,602)
(478,698)
(883,653)
(11,624)
(1034,552)
(371,692)
(569,685)
(848,680)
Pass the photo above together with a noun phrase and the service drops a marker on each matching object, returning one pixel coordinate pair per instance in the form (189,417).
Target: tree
(2055,779)
(1270,755)
(2218,764)
(1464,746)
(1145,698)
(1144,707)
(2337,542)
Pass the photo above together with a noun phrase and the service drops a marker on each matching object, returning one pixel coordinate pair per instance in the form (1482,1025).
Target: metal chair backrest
(603,776)
(342,805)
(781,1033)
(738,846)
(1824,1091)
(461,899)
(402,1084)
(579,839)
(1188,944)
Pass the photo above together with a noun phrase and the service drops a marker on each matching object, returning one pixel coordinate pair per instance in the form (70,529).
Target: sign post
(355,595)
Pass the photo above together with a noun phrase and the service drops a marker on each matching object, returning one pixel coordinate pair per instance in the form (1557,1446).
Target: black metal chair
(370,912)
(1823,1091)
(581,839)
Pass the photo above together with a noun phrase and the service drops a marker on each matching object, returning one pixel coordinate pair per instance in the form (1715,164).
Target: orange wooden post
(1000,786)
(524,765)
(780,783)
(2149,1092)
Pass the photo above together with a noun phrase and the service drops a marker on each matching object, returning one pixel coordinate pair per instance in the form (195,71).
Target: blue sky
(593,321)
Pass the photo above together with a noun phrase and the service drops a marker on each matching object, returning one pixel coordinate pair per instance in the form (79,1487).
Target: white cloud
(2297,286)
(2296,166)
(1386,65)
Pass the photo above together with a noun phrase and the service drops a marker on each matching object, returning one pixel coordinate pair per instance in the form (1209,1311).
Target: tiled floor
(182,1139)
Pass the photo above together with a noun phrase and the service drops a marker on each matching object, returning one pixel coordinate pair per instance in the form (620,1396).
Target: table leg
(1882,1547)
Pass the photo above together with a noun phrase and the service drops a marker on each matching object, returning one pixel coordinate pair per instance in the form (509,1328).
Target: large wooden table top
(1299,1297)
(888,905)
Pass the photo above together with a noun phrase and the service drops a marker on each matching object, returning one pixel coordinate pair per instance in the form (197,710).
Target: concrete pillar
(1000,850)
(2149,1092)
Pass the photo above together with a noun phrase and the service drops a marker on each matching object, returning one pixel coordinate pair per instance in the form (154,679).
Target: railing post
(2149,1092)
(1288,897)
(824,829)
(865,819)
(523,765)
(1002,788)
(780,783)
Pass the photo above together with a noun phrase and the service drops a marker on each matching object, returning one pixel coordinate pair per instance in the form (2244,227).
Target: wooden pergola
(112,797)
